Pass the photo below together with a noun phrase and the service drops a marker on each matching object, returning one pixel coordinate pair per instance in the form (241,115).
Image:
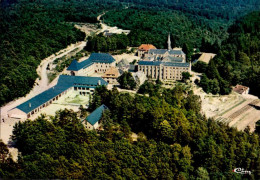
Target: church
(165,64)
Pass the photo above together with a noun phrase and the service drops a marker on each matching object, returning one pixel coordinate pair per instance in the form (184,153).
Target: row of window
(104,66)
(84,84)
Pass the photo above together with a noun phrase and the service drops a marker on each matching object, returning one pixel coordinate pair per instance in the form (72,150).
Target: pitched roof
(94,57)
(132,68)
(73,65)
(173,59)
(163,51)
(146,47)
(80,80)
(101,58)
(96,115)
(158,63)
(123,63)
(64,83)
(112,72)
(42,98)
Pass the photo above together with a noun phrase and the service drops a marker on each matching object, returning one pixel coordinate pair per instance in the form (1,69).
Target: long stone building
(96,63)
(163,70)
(84,86)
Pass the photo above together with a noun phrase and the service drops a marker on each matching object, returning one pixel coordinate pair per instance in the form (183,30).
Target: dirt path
(105,27)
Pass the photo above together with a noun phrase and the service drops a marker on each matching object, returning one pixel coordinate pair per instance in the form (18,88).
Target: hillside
(174,141)
(237,61)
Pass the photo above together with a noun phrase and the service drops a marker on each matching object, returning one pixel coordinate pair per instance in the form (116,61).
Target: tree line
(152,27)
(101,43)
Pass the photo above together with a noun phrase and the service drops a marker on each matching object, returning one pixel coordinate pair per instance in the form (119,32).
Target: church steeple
(169,42)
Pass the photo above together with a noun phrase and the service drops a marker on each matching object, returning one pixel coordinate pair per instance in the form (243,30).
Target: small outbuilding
(111,76)
(241,89)
(93,120)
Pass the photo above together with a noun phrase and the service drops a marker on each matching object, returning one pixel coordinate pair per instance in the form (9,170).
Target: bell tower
(169,42)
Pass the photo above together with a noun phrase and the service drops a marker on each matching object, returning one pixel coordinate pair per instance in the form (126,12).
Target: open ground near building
(236,110)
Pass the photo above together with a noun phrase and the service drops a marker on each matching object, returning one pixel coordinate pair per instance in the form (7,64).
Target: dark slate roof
(123,63)
(85,64)
(80,80)
(132,68)
(40,99)
(73,66)
(94,57)
(163,51)
(64,83)
(101,58)
(176,52)
(173,59)
(96,115)
(157,63)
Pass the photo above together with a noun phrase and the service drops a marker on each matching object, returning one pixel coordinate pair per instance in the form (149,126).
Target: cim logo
(241,171)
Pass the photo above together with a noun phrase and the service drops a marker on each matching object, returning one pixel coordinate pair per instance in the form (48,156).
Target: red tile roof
(146,47)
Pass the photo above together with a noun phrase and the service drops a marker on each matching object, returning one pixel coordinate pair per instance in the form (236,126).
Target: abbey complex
(163,64)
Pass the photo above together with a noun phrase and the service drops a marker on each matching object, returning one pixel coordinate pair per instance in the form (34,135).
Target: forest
(238,60)
(153,27)
(174,142)
(101,43)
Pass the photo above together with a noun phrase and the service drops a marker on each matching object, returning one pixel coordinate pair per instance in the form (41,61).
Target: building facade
(111,76)
(96,63)
(163,70)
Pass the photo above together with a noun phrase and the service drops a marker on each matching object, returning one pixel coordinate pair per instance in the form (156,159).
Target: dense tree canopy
(126,81)
(100,43)
(28,34)
(238,61)
(152,27)
(174,141)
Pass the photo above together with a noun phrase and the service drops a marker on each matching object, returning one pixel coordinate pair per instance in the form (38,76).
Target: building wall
(90,127)
(95,67)
(103,67)
(84,90)
(87,71)
(17,113)
(163,72)
(141,53)
(111,80)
